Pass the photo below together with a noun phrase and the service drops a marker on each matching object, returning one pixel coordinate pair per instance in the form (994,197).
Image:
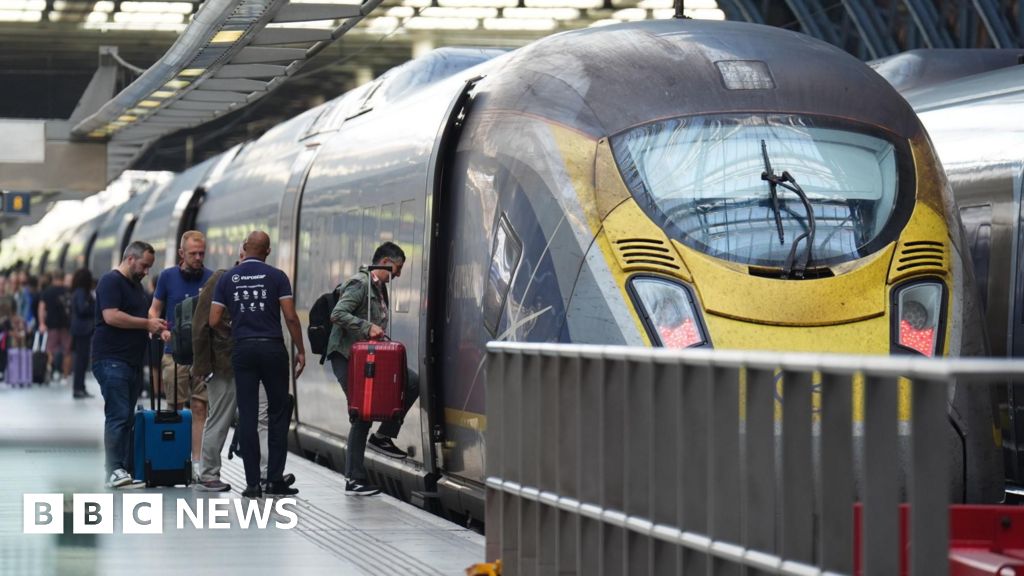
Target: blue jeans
(120,384)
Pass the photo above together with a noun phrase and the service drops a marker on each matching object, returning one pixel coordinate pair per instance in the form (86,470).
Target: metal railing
(615,460)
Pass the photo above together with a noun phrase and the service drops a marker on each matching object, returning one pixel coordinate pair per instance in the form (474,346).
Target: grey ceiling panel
(175,113)
(254,55)
(270,36)
(214,96)
(309,12)
(250,71)
(210,106)
(234,85)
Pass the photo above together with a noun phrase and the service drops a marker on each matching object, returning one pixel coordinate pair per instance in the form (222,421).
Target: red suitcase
(376,380)
(376,374)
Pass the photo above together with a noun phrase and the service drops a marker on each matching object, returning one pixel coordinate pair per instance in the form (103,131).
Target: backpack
(319,329)
(181,335)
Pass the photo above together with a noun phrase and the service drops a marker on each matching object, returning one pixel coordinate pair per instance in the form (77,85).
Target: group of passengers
(51,316)
(238,344)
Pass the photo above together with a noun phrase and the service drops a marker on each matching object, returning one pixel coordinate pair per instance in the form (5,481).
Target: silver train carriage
(517,183)
(977,126)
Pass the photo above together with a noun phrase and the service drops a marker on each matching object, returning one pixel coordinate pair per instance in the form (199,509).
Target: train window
(700,179)
(505,254)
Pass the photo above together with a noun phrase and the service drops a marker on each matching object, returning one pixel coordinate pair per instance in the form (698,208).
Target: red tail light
(921,340)
(668,311)
(919,309)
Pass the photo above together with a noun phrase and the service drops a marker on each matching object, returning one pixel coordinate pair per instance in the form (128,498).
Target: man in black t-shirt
(257,295)
(55,322)
(119,346)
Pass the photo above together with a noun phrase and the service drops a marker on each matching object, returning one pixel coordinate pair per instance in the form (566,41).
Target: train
(673,183)
(976,123)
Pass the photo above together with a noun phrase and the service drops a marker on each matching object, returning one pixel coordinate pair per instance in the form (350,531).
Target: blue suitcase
(162,442)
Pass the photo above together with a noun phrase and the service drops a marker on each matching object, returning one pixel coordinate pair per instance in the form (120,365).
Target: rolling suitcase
(162,439)
(39,358)
(19,367)
(376,374)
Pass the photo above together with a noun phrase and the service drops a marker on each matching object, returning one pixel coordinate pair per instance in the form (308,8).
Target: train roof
(987,86)
(607,79)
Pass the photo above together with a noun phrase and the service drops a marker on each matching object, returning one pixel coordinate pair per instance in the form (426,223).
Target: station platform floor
(52,444)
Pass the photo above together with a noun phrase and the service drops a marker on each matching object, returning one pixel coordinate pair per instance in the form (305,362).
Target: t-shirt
(55,299)
(172,288)
(112,343)
(252,291)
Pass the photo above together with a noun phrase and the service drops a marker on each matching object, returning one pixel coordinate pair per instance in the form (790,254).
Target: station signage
(17,203)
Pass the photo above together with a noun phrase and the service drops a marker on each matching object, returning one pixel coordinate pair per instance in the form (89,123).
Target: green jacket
(349,315)
(211,351)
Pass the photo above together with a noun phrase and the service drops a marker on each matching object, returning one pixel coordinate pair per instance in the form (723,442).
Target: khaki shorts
(188,387)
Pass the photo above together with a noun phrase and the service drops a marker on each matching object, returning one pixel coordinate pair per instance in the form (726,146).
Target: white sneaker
(119,478)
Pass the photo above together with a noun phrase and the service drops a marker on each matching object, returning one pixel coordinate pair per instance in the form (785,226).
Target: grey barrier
(610,460)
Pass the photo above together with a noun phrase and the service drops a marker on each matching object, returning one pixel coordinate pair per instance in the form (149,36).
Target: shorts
(58,339)
(187,386)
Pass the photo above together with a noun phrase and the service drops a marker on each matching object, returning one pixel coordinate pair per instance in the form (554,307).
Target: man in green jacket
(350,325)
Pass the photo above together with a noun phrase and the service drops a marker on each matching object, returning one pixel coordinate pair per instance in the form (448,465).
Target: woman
(83,320)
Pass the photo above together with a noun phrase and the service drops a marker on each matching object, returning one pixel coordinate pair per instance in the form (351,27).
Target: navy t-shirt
(112,343)
(252,291)
(172,288)
(55,299)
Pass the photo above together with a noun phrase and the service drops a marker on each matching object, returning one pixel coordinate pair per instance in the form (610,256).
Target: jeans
(81,345)
(120,384)
(266,362)
(355,450)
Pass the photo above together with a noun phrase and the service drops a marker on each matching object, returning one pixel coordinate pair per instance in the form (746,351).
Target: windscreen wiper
(772,183)
(788,182)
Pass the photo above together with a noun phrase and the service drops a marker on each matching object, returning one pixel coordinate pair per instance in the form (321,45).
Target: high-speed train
(977,126)
(666,183)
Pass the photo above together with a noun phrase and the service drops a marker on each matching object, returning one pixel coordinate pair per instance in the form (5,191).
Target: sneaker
(287,479)
(212,486)
(252,492)
(385,446)
(280,489)
(356,488)
(119,478)
(78,395)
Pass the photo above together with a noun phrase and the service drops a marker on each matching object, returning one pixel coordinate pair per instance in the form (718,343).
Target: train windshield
(700,178)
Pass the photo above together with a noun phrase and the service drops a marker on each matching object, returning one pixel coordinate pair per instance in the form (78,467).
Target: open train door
(1014,428)
(433,317)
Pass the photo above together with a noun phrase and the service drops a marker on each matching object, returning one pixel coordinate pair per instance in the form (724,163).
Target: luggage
(376,375)
(162,440)
(19,367)
(39,358)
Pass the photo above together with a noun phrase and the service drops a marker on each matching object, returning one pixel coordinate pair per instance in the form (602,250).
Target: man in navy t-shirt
(257,294)
(174,285)
(119,351)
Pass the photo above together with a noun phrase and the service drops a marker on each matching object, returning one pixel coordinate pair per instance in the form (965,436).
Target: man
(350,325)
(119,351)
(257,295)
(174,285)
(55,321)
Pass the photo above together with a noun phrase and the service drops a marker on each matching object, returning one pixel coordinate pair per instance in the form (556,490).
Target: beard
(138,276)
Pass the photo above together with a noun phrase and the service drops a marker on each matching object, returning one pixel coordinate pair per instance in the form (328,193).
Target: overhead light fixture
(175,84)
(226,36)
(149,104)
(127,118)
(98,133)
(556,13)
(192,72)
(509,24)
(423,23)
(162,94)
(436,12)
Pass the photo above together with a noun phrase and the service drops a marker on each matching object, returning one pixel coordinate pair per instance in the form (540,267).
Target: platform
(50,443)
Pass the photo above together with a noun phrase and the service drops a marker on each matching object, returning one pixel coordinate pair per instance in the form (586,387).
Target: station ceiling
(49,48)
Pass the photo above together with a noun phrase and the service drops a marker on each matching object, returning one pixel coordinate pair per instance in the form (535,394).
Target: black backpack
(319,329)
(181,335)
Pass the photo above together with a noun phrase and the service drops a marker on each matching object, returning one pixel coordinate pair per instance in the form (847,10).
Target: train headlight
(668,311)
(919,318)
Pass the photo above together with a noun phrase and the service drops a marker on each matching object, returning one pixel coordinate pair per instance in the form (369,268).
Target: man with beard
(174,285)
(119,343)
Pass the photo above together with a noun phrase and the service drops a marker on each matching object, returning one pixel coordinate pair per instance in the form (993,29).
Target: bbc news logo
(144,513)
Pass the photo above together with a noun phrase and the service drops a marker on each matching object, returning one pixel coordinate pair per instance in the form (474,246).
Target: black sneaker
(385,446)
(280,489)
(355,488)
(252,492)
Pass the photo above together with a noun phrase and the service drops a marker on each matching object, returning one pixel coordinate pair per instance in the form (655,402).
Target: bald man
(257,294)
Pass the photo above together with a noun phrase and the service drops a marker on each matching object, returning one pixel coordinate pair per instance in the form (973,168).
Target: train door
(288,243)
(1014,445)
